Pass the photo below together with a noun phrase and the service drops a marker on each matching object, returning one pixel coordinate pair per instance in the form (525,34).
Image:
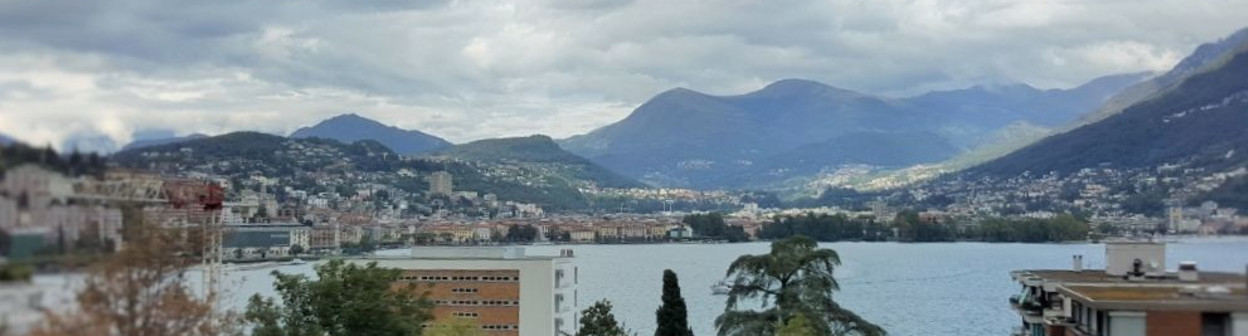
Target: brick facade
(1176,323)
(489,297)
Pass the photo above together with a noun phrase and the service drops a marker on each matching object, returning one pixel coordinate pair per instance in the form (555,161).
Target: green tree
(296,250)
(597,320)
(706,225)
(795,278)
(457,327)
(345,299)
(672,316)
(798,325)
(521,233)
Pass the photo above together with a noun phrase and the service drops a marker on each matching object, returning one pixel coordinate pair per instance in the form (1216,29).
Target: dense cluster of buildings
(1125,199)
(46,210)
(1206,219)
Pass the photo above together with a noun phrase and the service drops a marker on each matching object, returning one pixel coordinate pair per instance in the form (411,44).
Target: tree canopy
(794,279)
(712,225)
(672,317)
(597,320)
(345,299)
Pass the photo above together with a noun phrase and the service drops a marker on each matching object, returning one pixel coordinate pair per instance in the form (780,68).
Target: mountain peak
(801,87)
(351,127)
(678,92)
(798,82)
(350,118)
(794,84)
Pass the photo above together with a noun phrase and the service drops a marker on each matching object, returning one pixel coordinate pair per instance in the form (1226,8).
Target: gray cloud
(472,69)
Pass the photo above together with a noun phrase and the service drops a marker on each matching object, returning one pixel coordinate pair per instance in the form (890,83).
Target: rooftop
(471,253)
(1097,276)
(1187,298)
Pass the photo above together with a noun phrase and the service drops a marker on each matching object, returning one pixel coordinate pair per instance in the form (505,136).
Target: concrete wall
(1239,324)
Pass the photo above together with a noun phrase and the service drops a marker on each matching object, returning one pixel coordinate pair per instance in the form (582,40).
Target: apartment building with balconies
(1133,296)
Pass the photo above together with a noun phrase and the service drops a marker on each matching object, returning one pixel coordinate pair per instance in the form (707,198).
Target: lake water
(909,289)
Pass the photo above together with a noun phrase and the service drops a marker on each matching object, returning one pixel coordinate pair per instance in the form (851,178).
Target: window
(1215,324)
(463,290)
(465,314)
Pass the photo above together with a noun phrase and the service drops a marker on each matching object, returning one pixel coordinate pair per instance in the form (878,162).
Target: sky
(465,70)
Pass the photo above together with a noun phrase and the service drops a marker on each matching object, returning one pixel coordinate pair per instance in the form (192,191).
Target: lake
(909,289)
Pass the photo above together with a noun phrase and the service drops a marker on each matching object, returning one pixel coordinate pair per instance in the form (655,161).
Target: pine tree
(798,325)
(672,316)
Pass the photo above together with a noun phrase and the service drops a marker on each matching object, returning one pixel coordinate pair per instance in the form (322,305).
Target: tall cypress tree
(672,316)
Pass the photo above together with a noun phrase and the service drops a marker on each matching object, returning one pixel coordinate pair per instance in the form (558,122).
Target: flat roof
(1152,298)
(1098,276)
(406,257)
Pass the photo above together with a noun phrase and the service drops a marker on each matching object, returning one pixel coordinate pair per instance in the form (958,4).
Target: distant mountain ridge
(161,141)
(981,109)
(350,128)
(686,138)
(1203,57)
(1199,122)
(310,163)
(5,140)
(537,149)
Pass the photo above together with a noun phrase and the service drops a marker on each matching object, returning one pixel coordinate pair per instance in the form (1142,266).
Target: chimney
(1188,272)
(1077,263)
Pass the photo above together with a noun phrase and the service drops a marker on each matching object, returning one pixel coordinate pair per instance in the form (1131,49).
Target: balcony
(562,281)
(562,305)
(1026,305)
(1054,314)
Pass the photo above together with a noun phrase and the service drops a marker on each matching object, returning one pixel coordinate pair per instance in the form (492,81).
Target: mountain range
(537,150)
(542,175)
(1198,122)
(793,128)
(976,112)
(350,128)
(5,140)
(796,130)
(1198,61)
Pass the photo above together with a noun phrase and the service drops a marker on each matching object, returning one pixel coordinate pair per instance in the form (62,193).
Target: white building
(510,293)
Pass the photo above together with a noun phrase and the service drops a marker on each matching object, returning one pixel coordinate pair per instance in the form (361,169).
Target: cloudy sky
(468,70)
